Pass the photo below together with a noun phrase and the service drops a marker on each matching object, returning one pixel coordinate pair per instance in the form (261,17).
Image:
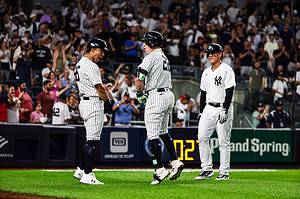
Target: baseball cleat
(222,177)
(90,179)
(159,175)
(205,175)
(177,167)
(78,173)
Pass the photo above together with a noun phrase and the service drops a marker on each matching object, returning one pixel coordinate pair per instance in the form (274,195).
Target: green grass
(129,184)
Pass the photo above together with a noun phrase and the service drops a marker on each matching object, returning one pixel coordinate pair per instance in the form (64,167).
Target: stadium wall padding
(43,146)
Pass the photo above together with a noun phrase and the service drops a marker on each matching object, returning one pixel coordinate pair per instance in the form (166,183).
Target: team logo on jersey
(218,80)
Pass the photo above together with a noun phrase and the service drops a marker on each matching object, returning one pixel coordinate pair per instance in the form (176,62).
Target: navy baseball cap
(260,104)
(278,103)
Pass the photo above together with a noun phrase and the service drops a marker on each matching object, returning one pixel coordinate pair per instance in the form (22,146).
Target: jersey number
(166,65)
(55,112)
(76,74)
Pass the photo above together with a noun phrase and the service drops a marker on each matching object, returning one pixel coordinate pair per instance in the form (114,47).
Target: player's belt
(215,104)
(158,90)
(88,98)
(163,89)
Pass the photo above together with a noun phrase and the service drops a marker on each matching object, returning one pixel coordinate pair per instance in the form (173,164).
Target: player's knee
(202,137)
(223,143)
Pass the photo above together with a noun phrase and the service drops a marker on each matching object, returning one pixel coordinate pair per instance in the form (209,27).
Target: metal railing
(245,118)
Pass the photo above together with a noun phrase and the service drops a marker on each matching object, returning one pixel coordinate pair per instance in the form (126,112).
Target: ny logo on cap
(218,80)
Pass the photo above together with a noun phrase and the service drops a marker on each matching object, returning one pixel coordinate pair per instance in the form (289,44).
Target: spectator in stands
(24,61)
(263,57)
(257,83)
(116,42)
(259,116)
(45,99)
(183,109)
(47,15)
(173,48)
(14,105)
(297,82)
(36,115)
(59,57)
(34,24)
(281,56)
(74,110)
(66,82)
(60,111)
(72,61)
(235,43)
(46,71)
(124,110)
(132,48)
(55,86)
(26,102)
(3,103)
(279,87)
(128,87)
(5,53)
(41,56)
(278,118)
(122,71)
(247,58)
(228,56)
(271,45)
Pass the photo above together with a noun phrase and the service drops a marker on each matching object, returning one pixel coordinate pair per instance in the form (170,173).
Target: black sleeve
(228,97)
(202,100)
(143,71)
(108,106)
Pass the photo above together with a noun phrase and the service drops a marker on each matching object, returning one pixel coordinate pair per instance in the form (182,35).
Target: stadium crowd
(40,48)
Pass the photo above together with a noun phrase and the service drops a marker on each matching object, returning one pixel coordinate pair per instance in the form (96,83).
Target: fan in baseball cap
(260,104)
(278,103)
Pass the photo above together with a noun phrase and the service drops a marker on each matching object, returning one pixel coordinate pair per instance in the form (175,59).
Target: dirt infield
(11,195)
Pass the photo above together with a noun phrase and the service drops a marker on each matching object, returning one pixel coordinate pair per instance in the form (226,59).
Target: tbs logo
(118,142)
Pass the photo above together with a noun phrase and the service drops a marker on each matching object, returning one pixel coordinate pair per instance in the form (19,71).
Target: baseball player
(153,85)
(91,107)
(217,88)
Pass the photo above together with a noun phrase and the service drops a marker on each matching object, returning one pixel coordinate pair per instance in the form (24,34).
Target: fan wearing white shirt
(279,87)
(60,111)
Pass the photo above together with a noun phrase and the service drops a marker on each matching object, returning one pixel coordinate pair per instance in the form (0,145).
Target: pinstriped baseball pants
(207,124)
(158,107)
(92,113)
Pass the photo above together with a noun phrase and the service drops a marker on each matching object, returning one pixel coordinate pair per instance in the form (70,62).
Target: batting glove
(223,116)
(141,97)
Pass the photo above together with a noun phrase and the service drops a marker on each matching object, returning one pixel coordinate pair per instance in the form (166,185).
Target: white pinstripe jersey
(159,70)
(214,82)
(87,75)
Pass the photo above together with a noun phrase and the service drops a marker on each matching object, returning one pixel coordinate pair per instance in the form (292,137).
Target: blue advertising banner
(119,144)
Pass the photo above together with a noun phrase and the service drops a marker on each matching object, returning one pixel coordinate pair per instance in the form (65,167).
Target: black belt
(163,89)
(88,98)
(215,104)
(159,90)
